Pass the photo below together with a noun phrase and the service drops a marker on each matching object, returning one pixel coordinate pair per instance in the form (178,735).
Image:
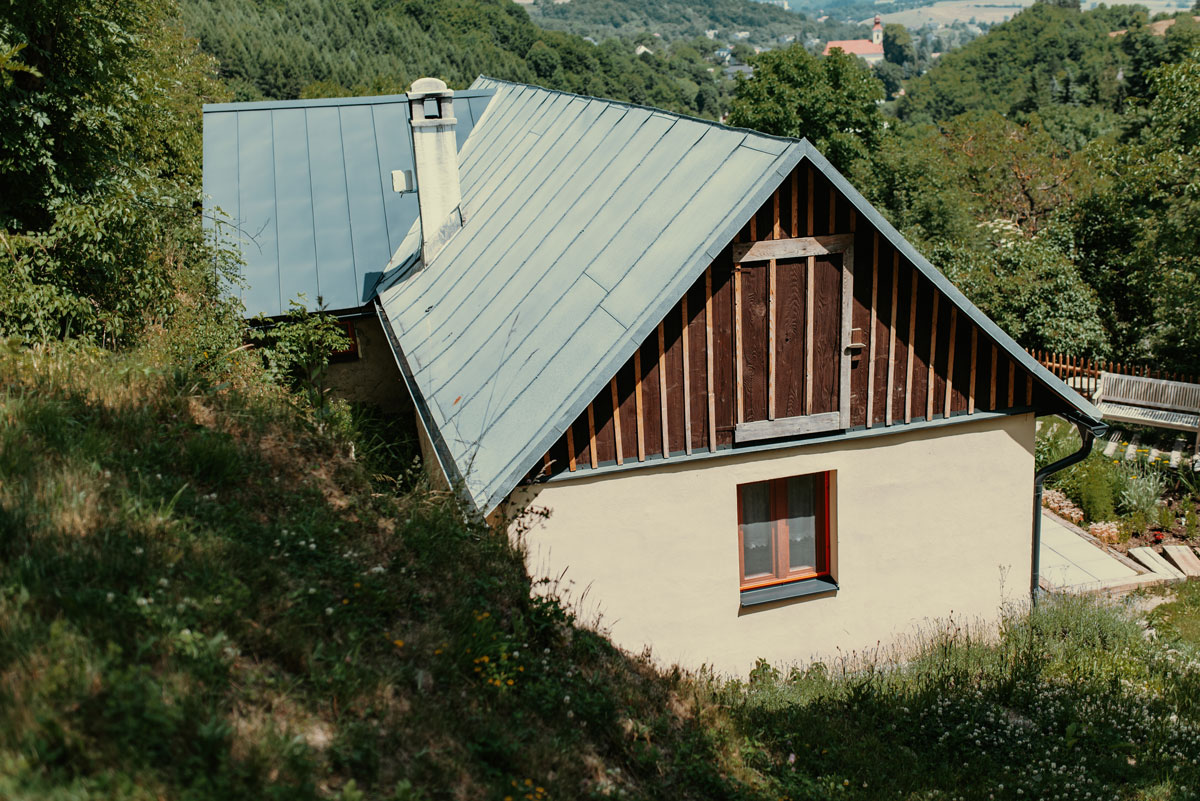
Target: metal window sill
(782,592)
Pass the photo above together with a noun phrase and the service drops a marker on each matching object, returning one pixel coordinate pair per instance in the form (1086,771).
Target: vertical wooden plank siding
(1012,371)
(809,292)
(771,340)
(871,332)
(687,395)
(929,386)
(844,350)
(912,338)
(637,394)
(662,388)
(950,361)
(772,280)
(974,358)
(992,383)
(887,415)
(592,435)
(708,351)
(737,341)
(616,402)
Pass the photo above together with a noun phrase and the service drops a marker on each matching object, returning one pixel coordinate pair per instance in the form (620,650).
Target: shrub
(1142,494)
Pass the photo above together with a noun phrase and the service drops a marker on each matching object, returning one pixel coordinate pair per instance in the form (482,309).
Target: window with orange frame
(783,530)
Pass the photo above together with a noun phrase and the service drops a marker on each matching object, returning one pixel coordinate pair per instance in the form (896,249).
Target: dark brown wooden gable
(914,356)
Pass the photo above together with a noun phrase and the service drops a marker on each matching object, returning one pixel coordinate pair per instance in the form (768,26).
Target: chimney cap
(429,87)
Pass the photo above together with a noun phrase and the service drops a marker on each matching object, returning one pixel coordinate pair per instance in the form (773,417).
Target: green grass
(208,593)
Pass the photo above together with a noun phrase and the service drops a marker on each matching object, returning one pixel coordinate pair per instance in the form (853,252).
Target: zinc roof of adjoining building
(304,190)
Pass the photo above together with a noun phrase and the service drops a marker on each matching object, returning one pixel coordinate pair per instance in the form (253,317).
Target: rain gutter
(1089,430)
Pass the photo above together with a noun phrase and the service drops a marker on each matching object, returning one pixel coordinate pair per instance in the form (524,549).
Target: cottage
(763,424)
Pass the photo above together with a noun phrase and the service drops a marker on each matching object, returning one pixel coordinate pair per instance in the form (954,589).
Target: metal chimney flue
(435,154)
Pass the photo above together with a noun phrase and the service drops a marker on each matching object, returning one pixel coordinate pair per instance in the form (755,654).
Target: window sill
(782,592)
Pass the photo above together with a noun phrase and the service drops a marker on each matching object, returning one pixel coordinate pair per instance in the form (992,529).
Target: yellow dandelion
(529,782)
(437,651)
(345,600)
(357,584)
(510,682)
(398,643)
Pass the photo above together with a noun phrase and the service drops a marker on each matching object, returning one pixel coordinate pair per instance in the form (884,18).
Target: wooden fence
(1083,374)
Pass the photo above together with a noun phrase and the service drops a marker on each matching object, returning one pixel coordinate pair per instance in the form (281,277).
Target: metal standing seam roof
(585,221)
(306,188)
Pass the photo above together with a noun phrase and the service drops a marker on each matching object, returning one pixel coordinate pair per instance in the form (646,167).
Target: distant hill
(1044,55)
(293,48)
(682,19)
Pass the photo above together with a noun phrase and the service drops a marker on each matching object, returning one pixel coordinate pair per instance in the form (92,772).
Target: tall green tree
(99,158)
(898,45)
(831,100)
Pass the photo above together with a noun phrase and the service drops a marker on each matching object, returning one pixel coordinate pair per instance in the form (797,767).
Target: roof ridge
(319,102)
(652,109)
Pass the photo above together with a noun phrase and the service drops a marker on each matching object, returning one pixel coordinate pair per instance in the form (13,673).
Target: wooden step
(1155,563)
(1184,559)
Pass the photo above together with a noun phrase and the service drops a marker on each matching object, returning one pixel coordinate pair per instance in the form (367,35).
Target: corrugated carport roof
(585,220)
(306,186)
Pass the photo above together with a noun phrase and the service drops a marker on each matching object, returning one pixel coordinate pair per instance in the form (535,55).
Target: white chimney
(435,153)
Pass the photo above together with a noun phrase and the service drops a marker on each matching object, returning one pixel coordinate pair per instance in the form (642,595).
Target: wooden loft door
(793,337)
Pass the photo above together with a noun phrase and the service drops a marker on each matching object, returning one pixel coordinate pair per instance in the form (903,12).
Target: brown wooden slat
(871,332)
(795,182)
(931,384)
(697,350)
(891,354)
(604,428)
(627,408)
(974,360)
(677,434)
(592,436)
(651,397)
(723,371)
(1012,372)
(827,334)
(664,390)
(772,281)
(754,342)
(637,396)
(686,389)
(790,338)
(992,383)
(809,302)
(953,344)
(920,352)
(738,345)
(617,438)
(843,352)
(708,354)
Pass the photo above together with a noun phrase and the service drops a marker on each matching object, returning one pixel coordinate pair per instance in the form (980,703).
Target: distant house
(642,50)
(869,50)
(763,424)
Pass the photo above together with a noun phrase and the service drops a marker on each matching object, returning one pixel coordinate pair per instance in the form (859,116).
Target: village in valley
(580,399)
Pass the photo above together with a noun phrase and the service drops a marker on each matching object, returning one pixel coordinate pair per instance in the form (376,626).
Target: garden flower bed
(1126,503)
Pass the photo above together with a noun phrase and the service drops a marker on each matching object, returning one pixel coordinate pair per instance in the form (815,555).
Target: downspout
(1089,429)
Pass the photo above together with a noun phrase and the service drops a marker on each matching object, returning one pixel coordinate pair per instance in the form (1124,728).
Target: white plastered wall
(929,524)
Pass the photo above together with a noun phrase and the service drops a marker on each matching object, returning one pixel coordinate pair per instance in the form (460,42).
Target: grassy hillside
(206,593)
